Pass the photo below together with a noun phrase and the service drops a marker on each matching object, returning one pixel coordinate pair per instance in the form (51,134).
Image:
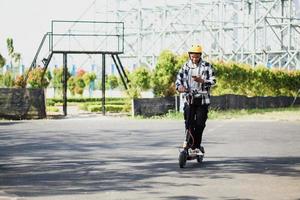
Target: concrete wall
(231,101)
(19,103)
(158,106)
(154,106)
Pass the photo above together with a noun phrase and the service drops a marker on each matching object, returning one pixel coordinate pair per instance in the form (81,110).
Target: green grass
(227,114)
(52,109)
(52,101)
(171,115)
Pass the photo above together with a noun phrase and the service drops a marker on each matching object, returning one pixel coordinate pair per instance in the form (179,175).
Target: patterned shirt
(205,70)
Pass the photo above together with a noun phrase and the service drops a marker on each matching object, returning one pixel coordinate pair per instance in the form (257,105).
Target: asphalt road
(117,158)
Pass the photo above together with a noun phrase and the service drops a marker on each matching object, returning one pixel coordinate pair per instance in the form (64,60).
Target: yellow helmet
(195,49)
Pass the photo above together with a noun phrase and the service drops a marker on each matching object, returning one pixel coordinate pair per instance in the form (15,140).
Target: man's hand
(181,89)
(198,79)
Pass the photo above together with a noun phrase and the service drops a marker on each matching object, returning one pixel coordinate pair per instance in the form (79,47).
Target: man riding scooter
(195,77)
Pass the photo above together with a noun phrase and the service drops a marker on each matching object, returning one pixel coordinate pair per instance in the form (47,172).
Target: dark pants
(195,116)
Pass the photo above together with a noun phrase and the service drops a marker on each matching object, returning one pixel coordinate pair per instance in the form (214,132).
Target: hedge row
(108,108)
(242,79)
(94,104)
(111,100)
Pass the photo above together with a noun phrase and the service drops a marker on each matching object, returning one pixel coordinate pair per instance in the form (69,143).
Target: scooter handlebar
(193,92)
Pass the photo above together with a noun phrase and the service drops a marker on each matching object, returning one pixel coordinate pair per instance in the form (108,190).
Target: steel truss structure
(250,31)
(77,38)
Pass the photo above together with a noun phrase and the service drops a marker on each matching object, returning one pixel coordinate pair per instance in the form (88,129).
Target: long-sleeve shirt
(203,69)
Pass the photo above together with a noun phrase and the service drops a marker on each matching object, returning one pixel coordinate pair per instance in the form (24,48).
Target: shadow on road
(56,164)
(9,123)
(50,175)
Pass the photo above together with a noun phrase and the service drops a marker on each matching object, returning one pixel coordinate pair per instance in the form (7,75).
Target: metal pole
(289,33)
(243,30)
(120,70)
(255,27)
(254,34)
(265,51)
(103,84)
(281,26)
(139,33)
(65,76)
(222,32)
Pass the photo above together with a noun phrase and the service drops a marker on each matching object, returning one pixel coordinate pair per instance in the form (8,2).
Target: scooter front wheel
(200,159)
(182,159)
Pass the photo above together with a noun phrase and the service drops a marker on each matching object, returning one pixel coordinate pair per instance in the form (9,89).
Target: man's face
(195,58)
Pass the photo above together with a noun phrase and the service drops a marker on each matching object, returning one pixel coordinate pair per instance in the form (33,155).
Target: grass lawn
(290,113)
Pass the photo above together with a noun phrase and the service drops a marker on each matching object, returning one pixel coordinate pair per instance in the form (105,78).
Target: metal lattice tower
(251,31)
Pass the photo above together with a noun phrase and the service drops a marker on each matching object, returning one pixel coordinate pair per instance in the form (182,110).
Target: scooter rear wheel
(182,159)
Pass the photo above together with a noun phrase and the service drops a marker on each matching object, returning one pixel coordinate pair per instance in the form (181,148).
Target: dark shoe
(202,149)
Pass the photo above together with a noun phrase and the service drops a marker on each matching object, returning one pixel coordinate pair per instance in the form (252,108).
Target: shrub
(1,80)
(72,85)
(108,108)
(20,82)
(242,79)
(79,85)
(112,82)
(140,78)
(164,74)
(8,80)
(57,80)
(35,79)
(89,77)
(2,61)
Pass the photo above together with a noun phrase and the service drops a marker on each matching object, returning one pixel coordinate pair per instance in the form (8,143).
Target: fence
(22,103)
(158,106)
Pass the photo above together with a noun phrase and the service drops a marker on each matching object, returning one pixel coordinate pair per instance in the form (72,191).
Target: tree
(79,85)
(112,81)
(8,80)
(57,80)
(141,78)
(89,77)
(34,78)
(14,56)
(72,85)
(2,61)
(89,80)
(165,72)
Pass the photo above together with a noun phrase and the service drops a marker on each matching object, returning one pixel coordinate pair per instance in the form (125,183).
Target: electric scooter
(186,152)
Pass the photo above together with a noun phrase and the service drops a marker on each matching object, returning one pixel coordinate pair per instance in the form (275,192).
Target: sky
(26,21)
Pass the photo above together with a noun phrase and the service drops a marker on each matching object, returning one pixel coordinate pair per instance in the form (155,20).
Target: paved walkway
(120,158)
